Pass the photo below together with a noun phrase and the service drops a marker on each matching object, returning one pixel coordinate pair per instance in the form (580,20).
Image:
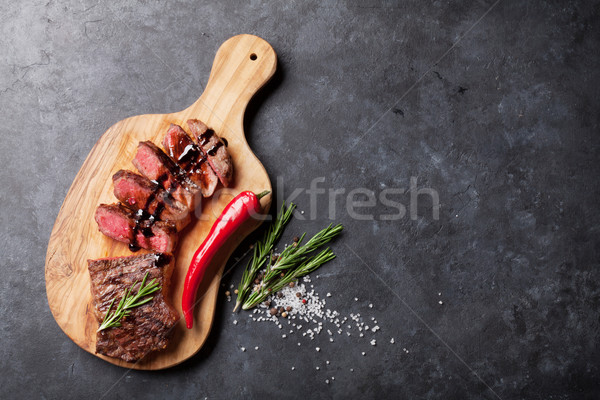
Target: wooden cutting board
(242,65)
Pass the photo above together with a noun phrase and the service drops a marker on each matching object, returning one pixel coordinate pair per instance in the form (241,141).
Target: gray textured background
(504,125)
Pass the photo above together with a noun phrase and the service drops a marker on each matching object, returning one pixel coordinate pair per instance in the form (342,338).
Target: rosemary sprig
(294,255)
(262,249)
(294,262)
(129,301)
(306,267)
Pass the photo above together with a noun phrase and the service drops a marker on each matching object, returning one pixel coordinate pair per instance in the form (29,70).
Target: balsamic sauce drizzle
(191,159)
(213,150)
(144,220)
(206,136)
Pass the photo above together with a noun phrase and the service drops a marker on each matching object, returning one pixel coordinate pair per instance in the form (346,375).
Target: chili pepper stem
(263,194)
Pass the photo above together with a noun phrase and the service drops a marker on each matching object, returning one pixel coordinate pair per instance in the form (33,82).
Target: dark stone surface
(501,118)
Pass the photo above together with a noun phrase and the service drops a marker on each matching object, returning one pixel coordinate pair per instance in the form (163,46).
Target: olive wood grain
(242,65)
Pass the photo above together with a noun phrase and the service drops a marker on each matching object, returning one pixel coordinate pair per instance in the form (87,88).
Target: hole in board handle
(253,56)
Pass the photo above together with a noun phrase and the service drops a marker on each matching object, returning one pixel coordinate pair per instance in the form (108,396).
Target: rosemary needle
(262,249)
(129,301)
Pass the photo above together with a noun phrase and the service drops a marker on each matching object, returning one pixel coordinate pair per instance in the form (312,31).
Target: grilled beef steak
(216,150)
(155,165)
(159,202)
(147,328)
(136,229)
(140,193)
(190,157)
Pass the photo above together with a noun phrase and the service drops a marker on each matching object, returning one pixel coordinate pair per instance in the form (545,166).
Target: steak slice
(147,328)
(215,149)
(140,193)
(122,224)
(155,165)
(190,157)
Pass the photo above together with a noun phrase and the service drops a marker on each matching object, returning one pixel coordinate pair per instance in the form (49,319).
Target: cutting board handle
(242,65)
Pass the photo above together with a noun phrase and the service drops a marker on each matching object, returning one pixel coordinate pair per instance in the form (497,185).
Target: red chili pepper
(239,210)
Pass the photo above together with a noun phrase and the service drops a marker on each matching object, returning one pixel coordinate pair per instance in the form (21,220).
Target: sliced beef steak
(190,157)
(215,149)
(122,224)
(148,327)
(155,165)
(140,193)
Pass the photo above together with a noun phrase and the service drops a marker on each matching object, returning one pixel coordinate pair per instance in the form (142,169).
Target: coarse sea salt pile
(299,310)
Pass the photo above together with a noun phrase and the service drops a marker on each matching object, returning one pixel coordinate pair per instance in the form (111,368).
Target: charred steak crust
(149,326)
(215,148)
(140,193)
(190,157)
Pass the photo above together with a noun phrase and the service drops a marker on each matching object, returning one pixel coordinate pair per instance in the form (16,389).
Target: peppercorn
(273,311)
(284,314)
(235,291)
(298,294)
(281,309)
(282,274)
(228,293)
(279,295)
(256,281)
(292,284)
(296,238)
(288,308)
(267,303)
(274,258)
(295,244)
